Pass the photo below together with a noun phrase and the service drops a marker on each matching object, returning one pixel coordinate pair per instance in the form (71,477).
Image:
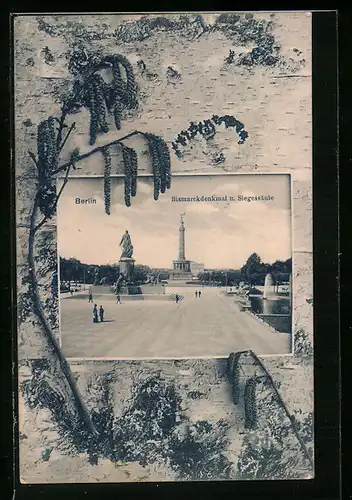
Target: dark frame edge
(302,489)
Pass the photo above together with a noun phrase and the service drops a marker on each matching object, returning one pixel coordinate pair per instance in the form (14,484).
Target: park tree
(141,273)
(108,272)
(234,277)
(281,270)
(206,277)
(70,270)
(74,270)
(288,265)
(254,270)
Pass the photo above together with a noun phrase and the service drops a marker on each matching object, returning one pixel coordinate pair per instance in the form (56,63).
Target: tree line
(74,271)
(252,272)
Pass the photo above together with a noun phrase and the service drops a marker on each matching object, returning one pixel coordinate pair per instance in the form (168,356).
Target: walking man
(118,300)
(176,298)
(196,293)
(101,313)
(199,293)
(95,314)
(90,297)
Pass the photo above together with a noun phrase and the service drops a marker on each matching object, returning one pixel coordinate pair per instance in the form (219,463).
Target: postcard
(164,246)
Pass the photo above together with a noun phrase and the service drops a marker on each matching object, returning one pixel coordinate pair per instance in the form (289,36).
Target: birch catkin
(134,171)
(47,157)
(91,103)
(154,153)
(100,102)
(130,95)
(128,175)
(107,179)
(101,98)
(250,406)
(119,84)
(51,142)
(118,107)
(165,163)
(234,375)
(46,146)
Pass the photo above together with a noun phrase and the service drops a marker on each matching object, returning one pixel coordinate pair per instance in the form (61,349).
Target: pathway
(211,325)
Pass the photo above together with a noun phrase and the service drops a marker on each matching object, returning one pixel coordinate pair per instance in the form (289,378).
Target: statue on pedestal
(126,244)
(126,262)
(125,283)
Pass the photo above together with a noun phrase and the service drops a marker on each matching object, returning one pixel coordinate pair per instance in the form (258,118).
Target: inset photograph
(204,271)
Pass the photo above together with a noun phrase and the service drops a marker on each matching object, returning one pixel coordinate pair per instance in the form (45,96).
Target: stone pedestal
(126,265)
(181,270)
(182,266)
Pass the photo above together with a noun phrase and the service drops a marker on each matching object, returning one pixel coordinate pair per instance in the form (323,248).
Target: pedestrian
(95,314)
(196,293)
(118,300)
(176,298)
(199,293)
(101,313)
(90,297)
(71,291)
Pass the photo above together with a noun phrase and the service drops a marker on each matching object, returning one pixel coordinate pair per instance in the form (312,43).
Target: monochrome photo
(199,273)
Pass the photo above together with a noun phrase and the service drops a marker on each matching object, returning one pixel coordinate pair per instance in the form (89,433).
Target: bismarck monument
(181,266)
(125,283)
(126,262)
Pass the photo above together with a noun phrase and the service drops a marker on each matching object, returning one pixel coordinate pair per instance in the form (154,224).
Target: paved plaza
(211,325)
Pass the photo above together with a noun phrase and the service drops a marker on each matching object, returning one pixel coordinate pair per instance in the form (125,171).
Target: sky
(218,234)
